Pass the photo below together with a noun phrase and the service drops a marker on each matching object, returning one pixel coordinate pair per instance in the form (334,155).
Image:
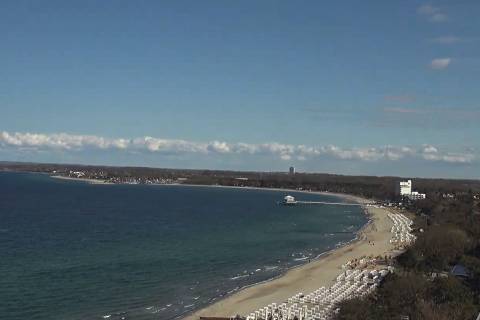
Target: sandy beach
(311,276)
(305,278)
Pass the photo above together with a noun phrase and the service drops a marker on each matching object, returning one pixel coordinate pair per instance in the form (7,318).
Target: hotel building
(405,190)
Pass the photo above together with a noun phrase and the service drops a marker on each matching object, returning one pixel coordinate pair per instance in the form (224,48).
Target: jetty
(290,200)
(329,203)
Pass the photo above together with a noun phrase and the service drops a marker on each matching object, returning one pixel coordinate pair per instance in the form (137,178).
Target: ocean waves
(148,252)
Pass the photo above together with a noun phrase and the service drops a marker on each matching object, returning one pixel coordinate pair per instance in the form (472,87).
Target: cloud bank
(446,40)
(440,63)
(74,143)
(433,14)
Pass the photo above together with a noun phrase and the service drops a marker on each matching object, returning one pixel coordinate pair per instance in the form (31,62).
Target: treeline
(424,287)
(381,188)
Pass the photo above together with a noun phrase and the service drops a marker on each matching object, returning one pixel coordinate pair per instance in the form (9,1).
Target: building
(291,170)
(288,200)
(405,190)
(405,187)
(416,196)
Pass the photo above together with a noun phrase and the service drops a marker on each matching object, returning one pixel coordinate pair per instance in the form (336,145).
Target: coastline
(91,181)
(349,197)
(321,271)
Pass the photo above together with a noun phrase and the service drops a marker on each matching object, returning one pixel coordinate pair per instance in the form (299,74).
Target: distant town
(392,191)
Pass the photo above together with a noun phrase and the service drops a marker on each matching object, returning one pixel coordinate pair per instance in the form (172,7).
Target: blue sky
(354,87)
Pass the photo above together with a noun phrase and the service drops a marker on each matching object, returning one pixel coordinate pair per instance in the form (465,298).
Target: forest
(424,286)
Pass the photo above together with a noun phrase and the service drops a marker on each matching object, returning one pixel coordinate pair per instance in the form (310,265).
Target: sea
(71,250)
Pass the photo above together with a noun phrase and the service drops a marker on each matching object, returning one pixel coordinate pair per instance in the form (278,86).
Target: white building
(406,191)
(289,200)
(405,187)
(416,196)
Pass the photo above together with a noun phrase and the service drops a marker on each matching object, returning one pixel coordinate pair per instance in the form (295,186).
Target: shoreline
(86,180)
(349,197)
(321,271)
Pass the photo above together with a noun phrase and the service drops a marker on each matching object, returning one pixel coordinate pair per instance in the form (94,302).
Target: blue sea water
(73,250)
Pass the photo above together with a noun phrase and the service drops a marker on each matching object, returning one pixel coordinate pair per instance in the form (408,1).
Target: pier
(328,203)
(289,200)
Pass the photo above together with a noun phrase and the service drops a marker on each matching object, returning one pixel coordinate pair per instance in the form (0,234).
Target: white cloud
(166,145)
(427,9)
(433,14)
(220,147)
(450,157)
(363,154)
(440,63)
(61,141)
(432,153)
(72,143)
(438,17)
(397,153)
(446,40)
(458,158)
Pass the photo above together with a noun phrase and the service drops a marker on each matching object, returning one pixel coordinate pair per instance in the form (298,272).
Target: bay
(73,250)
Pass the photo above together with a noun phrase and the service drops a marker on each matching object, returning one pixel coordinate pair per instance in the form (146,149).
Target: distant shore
(349,197)
(91,181)
(311,276)
(340,195)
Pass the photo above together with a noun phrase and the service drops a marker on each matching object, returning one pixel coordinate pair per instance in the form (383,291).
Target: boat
(289,200)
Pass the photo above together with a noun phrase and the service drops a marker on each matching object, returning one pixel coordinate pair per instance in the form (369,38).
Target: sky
(347,87)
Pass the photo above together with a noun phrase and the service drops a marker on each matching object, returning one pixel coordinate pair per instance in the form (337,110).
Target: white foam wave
(270,268)
(300,259)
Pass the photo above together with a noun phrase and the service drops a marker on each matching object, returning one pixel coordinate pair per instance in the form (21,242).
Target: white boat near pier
(289,200)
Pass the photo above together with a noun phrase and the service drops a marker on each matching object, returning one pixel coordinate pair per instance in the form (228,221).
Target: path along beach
(373,240)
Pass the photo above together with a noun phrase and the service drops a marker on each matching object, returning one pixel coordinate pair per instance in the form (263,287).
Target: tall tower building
(405,187)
